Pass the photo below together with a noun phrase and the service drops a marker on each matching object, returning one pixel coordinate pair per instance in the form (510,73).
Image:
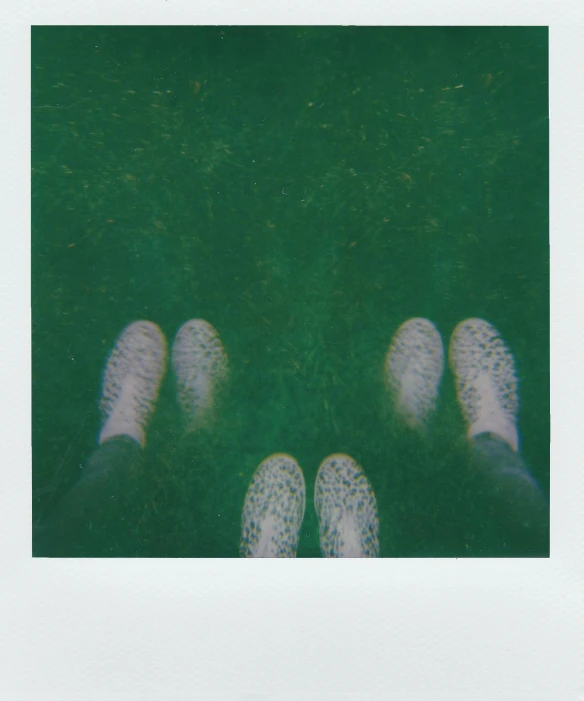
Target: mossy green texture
(305,190)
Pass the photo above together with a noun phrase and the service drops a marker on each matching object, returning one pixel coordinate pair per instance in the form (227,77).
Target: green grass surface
(305,190)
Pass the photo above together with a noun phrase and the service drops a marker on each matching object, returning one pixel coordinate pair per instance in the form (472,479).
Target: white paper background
(268,630)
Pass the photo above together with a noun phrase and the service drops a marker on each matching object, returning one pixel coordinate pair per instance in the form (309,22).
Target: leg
(414,365)
(513,514)
(93,518)
(209,518)
(515,504)
(96,517)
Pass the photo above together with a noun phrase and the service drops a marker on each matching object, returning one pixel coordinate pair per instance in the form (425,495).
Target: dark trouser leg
(96,517)
(512,516)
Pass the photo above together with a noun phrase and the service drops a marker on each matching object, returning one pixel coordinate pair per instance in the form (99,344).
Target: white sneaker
(346,509)
(413,369)
(131,380)
(486,380)
(273,509)
(199,362)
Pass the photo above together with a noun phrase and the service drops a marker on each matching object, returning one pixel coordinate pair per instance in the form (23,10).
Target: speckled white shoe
(131,381)
(413,370)
(486,380)
(346,509)
(273,509)
(199,362)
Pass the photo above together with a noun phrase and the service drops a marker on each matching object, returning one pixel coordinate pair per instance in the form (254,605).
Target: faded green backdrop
(305,190)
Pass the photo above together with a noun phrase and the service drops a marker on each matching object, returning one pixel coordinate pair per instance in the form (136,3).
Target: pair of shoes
(135,369)
(275,502)
(483,368)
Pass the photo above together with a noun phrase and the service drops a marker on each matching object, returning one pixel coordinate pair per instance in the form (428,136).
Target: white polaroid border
(255,631)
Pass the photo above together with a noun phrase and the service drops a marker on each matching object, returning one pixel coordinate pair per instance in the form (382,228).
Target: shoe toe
(414,366)
(273,509)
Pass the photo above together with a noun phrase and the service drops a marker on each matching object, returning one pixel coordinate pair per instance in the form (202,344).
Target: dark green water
(305,190)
